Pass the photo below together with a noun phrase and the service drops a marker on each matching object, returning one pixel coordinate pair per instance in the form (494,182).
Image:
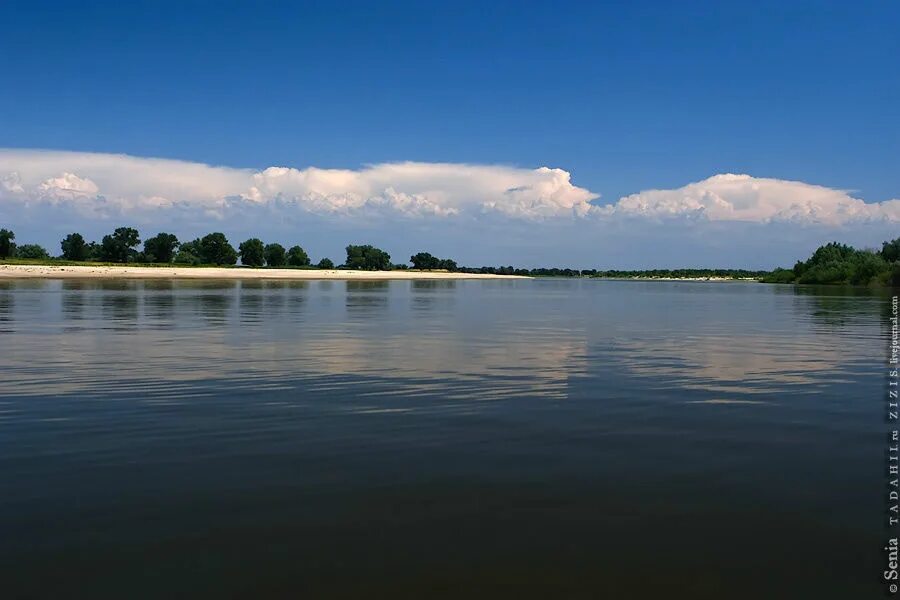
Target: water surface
(545,438)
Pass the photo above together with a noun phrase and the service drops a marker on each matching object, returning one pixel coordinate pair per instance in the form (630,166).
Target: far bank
(9,271)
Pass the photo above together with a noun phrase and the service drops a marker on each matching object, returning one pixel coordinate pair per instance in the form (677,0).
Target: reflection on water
(538,434)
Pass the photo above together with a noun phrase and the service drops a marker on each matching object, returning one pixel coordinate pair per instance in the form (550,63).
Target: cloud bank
(111,185)
(98,184)
(478,214)
(744,198)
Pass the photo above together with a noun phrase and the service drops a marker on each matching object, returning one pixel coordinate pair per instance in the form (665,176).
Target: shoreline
(128,272)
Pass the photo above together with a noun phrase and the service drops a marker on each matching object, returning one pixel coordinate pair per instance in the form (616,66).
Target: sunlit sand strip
(129,272)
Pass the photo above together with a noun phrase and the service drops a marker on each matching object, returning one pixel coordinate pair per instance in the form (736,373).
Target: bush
(32,251)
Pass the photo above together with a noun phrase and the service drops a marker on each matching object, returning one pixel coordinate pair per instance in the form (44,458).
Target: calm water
(478,439)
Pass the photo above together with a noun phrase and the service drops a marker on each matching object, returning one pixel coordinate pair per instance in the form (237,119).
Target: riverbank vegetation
(836,263)
(833,263)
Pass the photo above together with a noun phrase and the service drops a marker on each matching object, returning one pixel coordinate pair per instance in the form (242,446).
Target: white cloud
(753,199)
(67,186)
(124,184)
(148,190)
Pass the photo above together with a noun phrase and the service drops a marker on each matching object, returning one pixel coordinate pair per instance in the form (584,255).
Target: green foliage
(93,251)
(160,248)
(325,263)
(780,276)
(253,252)
(275,255)
(214,249)
(890,251)
(367,258)
(297,257)
(32,251)
(836,263)
(866,266)
(189,253)
(425,262)
(120,245)
(7,247)
(75,248)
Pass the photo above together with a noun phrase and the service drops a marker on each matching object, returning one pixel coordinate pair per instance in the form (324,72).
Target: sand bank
(134,272)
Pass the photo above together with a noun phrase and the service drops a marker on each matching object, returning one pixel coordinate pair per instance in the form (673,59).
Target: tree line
(833,263)
(124,246)
(836,263)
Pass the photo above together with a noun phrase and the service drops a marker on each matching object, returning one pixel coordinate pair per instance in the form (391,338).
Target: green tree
(275,255)
(325,263)
(865,267)
(33,251)
(189,253)
(94,251)
(120,245)
(297,257)
(253,252)
(74,247)
(368,258)
(424,261)
(160,248)
(215,250)
(448,265)
(890,251)
(7,247)
(780,276)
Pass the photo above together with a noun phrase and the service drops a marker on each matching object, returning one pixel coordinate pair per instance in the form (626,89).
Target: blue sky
(623,97)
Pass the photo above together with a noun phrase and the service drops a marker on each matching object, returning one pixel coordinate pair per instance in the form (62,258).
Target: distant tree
(448,265)
(275,255)
(7,247)
(160,248)
(74,247)
(32,251)
(424,261)
(780,276)
(120,245)
(215,250)
(297,257)
(253,252)
(368,258)
(189,253)
(94,251)
(890,251)
(325,263)
(865,267)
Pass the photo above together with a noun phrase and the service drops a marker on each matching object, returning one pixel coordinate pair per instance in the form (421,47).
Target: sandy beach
(135,272)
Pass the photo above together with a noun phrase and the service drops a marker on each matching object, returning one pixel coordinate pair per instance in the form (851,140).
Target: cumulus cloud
(125,184)
(730,197)
(146,190)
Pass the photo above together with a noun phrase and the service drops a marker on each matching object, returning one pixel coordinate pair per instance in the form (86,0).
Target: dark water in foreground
(547,439)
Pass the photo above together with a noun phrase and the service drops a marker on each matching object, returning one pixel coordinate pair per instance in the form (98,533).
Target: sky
(605,135)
